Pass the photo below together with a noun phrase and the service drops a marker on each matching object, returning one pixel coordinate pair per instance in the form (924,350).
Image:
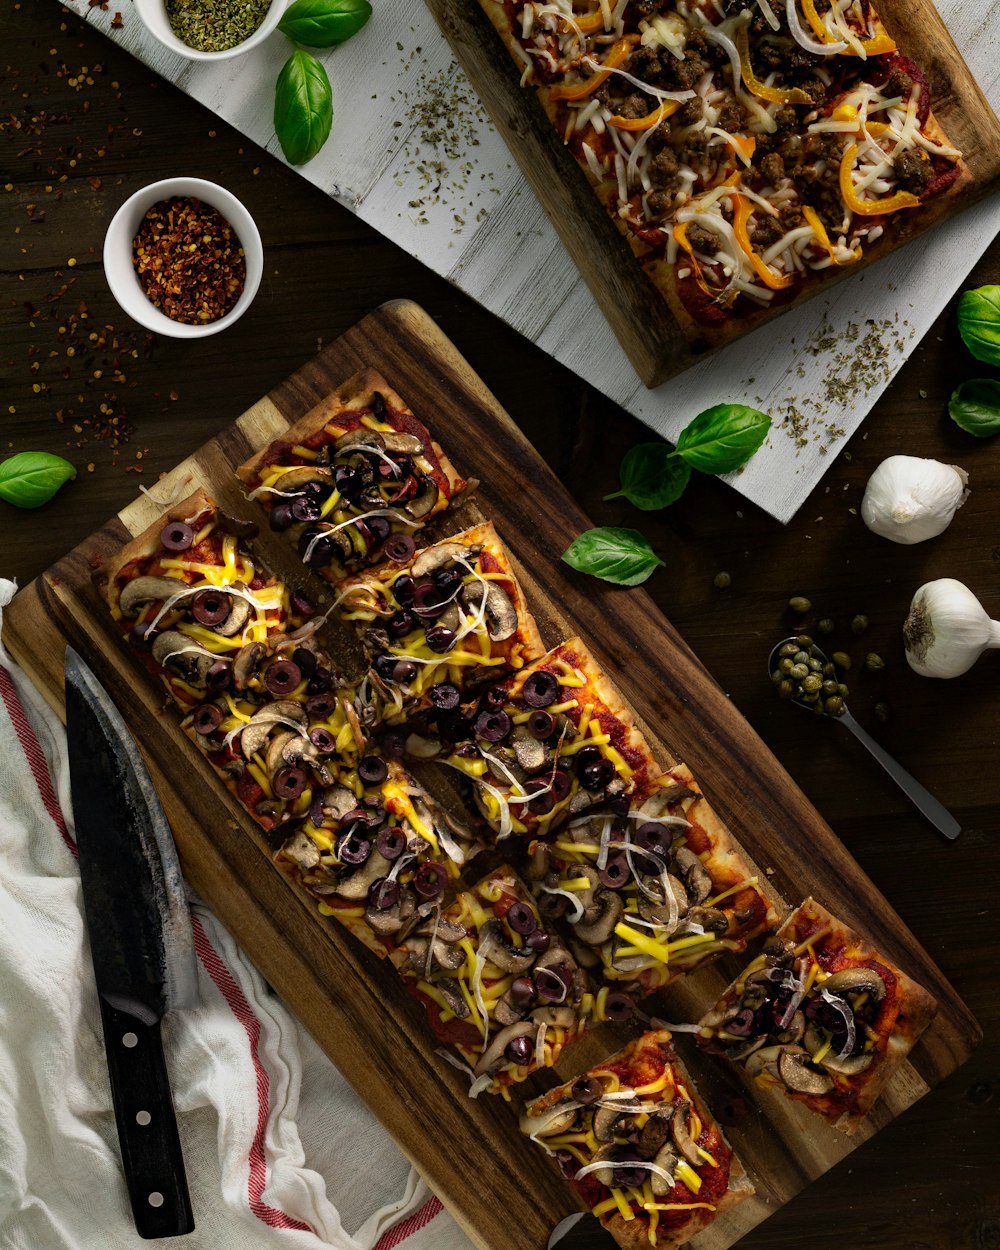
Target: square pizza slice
(499,987)
(191,599)
(639,1146)
(378,853)
(552,741)
(439,624)
(654,892)
(356,475)
(820,1015)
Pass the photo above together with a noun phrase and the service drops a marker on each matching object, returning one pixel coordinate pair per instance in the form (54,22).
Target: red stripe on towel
(241,1009)
(412,1224)
(34,754)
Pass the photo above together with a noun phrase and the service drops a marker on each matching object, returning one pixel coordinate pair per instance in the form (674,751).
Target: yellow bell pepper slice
(666,109)
(777,282)
(580,90)
(680,234)
(589,22)
(819,230)
(775,95)
(869,208)
(880,45)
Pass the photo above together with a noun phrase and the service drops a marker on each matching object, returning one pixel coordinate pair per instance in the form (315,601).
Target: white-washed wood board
(413,155)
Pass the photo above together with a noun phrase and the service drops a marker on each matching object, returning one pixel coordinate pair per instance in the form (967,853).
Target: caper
(812,683)
(825,626)
(786,689)
(842,690)
(874,663)
(810,696)
(721,580)
(834,706)
(859,624)
(883,712)
(786,665)
(799,604)
(801,657)
(829,669)
(815,666)
(798,671)
(804,641)
(829,686)
(842,660)
(788,649)
(777,676)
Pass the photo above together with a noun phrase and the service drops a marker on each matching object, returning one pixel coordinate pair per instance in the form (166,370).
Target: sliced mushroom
(500,613)
(764,1058)
(659,912)
(795,1031)
(301,751)
(442,929)
(239,614)
(389,921)
(406,444)
(424,501)
(744,1048)
(301,850)
(679,1132)
(850,1065)
(557,1017)
(794,1070)
(295,479)
(693,873)
(259,727)
(505,1012)
(531,754)
(183,656)
(610,911)
(604,1121)
(450,618)
(445,955)
(247,659)
(653,1135)
(667,1160)
(335,802)
(433,559)
(274,757)
(353,440)
(420,747)
(555,1119)
(606,1175)
(357,885)
(493,1055)
(452,995)
(854,981)
(711,919)
(494,946)
(135,595)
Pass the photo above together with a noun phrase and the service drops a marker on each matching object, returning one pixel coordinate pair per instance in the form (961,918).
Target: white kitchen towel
(279,1150)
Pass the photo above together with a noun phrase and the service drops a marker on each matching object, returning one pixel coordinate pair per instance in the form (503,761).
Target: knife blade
(564,1227)
(141,942)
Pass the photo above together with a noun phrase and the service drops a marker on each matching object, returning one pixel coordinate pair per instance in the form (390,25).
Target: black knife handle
(147,1127)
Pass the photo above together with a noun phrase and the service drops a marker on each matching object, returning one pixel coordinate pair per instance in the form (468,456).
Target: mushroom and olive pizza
(744,148)
(439,624)
(652,890)
(352,481)
(499,985)
(821,1015)
(639,1146)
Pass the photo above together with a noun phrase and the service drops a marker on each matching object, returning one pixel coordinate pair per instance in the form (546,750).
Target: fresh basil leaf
(324,23)
(652,477)
(31,478)
(723,438)
(616,555)
(303,108)
(979,323)
(975,407)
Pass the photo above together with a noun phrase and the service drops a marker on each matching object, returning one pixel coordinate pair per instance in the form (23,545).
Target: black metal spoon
(926,803)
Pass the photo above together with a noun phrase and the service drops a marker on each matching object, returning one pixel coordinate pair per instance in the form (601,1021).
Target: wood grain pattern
(353,1005)
(639,316)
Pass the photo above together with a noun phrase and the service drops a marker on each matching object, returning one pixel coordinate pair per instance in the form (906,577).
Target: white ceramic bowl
(154,17)
(120,272)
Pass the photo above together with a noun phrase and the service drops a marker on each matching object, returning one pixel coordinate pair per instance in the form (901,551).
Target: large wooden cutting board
(637,313)
(471,1152)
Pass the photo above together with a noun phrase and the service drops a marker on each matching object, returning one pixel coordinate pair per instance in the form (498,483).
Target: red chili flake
(188,260)
(116,21)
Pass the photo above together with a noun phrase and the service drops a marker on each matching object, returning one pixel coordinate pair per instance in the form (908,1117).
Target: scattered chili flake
(116,21)
(188,260)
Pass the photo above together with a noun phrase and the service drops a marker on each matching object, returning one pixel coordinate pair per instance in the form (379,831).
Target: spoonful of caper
(804,675)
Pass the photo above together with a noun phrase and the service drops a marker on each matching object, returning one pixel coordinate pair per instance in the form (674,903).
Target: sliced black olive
(522,992)
(541,725)
(429,879)
(354,849)
(538,941)
(619,1006)
(306,507)
(445,696)
(441,639)
(306,660)
(207,718)
(521,919)
(323,740)
(519,1050)
(210,607)
(383,894)
(403,671)
(615,872)
(380,529)
(372,770)
(493,726)
(597,776)
(177,536)
(321,705)
(400,548)
(281,517)
(289,782)
(282,676)
(403,589)
(400,624)
(320,681)
(540,689)
(391,842)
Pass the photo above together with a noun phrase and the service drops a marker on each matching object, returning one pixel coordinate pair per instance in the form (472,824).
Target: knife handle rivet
(155,1199)
(143,1118)
(130,1040)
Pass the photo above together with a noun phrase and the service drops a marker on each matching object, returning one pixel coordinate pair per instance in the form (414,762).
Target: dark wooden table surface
(83,125)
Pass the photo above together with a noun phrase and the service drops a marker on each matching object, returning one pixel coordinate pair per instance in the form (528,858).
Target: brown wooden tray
(639,316)
(355,1006)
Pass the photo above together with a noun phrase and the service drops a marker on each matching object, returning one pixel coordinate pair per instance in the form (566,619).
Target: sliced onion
(674,1028)
(476,983)
(805,40)
(368,450)
(602,858)
(769,14)
(793,1003)
(540,1046)
(455,1061)
(656,92)
(523,797)
(573,898)
(848,1016)
(479,1084)
(362,516)
(646,1165)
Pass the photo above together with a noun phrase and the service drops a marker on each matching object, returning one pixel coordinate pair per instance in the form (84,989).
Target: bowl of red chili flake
(183,257)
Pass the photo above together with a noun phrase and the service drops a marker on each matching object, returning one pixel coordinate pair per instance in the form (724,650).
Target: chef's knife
(141,942)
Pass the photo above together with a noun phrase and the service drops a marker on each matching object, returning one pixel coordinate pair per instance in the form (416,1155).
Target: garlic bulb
(909,499)
(947,629)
